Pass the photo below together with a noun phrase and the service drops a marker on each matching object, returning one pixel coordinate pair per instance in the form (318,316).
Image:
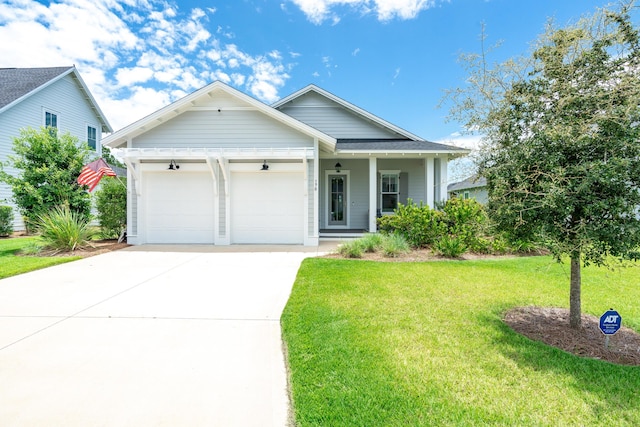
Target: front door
(337,200)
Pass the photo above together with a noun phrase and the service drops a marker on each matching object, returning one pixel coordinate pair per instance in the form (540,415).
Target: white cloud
(318,11)
(136,56)
(356,51)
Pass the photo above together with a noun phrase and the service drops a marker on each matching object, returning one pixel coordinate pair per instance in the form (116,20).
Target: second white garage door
(267,208)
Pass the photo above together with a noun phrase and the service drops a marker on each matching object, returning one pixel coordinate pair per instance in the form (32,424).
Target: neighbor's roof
(473,181)
(17,84)
(396,145)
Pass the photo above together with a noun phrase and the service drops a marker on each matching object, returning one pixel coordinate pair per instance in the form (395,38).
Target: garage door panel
(267,208)
(179,207)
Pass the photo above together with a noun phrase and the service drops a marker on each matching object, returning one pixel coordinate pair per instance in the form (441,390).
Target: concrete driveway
(148,336)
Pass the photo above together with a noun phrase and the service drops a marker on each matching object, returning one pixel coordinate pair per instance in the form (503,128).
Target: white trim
(46,110)
(190,101)
(373,190)
(395,173)
(429,181)
(327,190)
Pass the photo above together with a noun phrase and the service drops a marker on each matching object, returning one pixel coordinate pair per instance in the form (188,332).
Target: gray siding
(225,129)
(74,115)
(412,170)
(333,119)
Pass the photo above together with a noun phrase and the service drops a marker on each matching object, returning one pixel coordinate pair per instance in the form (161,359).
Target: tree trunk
(575,310)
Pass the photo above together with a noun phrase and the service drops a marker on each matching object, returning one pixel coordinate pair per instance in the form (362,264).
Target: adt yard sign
(610,322)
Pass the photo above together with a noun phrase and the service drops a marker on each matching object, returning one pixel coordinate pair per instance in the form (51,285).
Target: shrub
(351,249)
(450,246)
(6,221)
(64,230)
(48,165)
(418,224)
(394,245)
(467,219)
(111,203)
(370,242)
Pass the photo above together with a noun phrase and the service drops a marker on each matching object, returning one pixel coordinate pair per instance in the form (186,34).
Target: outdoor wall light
(265,166)
(338,166)
(173,165)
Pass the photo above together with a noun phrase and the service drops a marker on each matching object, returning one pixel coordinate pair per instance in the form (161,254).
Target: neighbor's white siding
(333,119)
(64,98)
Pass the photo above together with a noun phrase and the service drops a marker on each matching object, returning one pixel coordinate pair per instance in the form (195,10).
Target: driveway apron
(147,338)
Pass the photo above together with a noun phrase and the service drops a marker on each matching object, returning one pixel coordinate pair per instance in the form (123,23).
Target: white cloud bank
(135,55)
(318,11)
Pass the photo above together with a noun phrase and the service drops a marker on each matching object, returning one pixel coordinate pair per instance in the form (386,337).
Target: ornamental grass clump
(64,230)
(394,245)
(351,249)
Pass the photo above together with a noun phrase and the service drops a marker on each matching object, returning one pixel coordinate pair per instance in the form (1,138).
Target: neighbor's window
(92,137)
(465,195)
(50,119)
(389,189)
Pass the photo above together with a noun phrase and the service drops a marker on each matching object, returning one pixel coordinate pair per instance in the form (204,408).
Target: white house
(219,167)
(36,97)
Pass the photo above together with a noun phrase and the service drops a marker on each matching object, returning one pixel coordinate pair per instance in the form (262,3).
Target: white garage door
(267,208)
(179,207)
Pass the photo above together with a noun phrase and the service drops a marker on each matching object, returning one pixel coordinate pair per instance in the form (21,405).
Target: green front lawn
(11,264)
(410,344)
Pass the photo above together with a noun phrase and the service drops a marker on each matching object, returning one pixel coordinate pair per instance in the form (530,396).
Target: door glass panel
(337,200)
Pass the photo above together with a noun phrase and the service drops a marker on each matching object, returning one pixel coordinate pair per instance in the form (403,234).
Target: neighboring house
(474,187)
(36,97)
(219,167)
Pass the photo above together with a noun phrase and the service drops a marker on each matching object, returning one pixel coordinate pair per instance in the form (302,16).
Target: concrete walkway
(148,336)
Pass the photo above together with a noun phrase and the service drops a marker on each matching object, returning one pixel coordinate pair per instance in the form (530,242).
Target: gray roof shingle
(18,82)
(393,145)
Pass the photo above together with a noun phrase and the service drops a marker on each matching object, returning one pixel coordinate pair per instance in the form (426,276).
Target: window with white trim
(389,190)
(50,119)
(466,195)
(92,137)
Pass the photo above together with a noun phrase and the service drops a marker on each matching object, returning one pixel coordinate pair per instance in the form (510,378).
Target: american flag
(92,173)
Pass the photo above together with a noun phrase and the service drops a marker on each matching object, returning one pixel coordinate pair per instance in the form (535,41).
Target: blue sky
(394,58)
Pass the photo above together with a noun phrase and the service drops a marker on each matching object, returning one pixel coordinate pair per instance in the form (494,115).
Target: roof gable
(216,95)
(304,94)
(17,84)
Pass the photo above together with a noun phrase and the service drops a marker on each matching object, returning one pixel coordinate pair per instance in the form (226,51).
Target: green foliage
(418,224)
(48,166)
(110,159)
(450,246)
(425,344)
(6,221)
(466,222)
(351,249)
(61,229)
(371,242)
(111,203)
(12,264)
(394,244)
(562,158)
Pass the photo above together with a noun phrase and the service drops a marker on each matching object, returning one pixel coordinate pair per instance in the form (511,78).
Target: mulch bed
(551,326)
(96,247)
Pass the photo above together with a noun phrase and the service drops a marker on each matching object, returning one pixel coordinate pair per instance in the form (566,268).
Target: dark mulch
(551,326)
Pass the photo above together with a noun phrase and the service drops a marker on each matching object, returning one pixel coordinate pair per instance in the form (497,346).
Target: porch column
(373,196)
(444,164)
(429,181)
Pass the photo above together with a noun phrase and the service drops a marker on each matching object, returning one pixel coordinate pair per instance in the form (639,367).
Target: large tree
(48,165)
(562,140)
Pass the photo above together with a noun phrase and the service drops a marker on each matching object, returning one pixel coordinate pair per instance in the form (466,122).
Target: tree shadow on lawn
(616,386)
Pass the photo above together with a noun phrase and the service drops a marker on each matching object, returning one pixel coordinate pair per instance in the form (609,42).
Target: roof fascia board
(132,129)
(106,127)
(348,106)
